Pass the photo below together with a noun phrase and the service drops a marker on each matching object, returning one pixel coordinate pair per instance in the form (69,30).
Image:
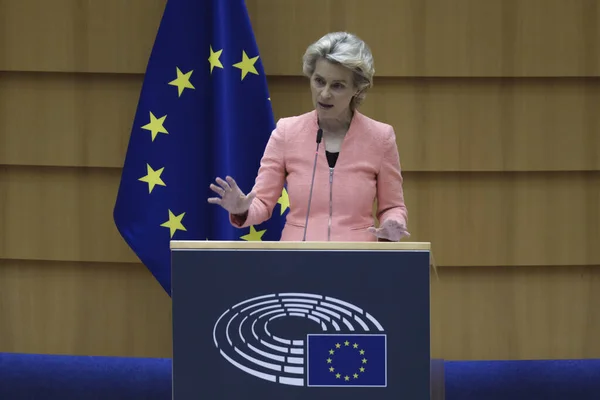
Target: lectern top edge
(242,245)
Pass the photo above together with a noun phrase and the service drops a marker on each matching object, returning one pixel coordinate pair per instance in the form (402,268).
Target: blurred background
(496,106)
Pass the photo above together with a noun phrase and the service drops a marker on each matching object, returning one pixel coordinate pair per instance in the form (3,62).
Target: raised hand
(391,230)
(231,197)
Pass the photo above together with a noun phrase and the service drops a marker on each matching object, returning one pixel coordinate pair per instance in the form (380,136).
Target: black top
(332,158)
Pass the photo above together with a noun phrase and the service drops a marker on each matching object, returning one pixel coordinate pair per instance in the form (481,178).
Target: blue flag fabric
(347,360)
(204,111)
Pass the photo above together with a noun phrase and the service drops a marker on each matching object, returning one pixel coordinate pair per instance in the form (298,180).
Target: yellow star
(284,200)
(331,352)
(174,223)
(355,376)
(153,178)
(346,343)
(362,352)
(355,345)
(338,375)
(156,126)
(247,65)
(337,345)
(362,369)
(183,81)
(253,235)
(364,360)
(329,360)
(331,369)
(346,378)
(213,59)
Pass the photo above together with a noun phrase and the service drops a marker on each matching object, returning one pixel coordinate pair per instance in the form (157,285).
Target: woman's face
(332,88)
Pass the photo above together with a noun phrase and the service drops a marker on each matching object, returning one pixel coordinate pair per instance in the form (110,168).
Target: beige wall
(495,105)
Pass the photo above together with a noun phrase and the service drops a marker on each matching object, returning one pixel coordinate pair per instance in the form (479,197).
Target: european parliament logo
(349,348)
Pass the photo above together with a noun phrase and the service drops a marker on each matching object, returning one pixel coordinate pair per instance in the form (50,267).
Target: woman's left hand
(391,230)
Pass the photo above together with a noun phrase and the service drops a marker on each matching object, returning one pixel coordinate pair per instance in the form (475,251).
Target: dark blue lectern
(309,320)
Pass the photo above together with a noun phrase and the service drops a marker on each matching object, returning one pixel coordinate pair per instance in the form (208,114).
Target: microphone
(319,137)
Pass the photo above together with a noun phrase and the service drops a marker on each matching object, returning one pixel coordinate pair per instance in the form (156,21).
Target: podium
(302,320)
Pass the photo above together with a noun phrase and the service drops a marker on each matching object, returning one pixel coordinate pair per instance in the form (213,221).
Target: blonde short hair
(347,50)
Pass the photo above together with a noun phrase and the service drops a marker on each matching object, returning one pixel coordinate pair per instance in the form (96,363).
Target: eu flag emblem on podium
(204,111)
(347,360)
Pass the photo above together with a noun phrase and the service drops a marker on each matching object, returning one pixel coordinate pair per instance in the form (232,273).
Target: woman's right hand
(231,197)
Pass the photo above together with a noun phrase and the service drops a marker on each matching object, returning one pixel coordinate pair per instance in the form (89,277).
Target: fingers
(218,190)
(223,184)
(374,230)
(393,224)
(232,183)
(230,196)
(214,200)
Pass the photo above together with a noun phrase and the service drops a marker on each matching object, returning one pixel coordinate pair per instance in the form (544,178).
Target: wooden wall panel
(60,214)
(516,313)
(79,120)
(442,124)
(473,219)
(491,219)
(78,35)
(440,37)
(61,307)
(409,37)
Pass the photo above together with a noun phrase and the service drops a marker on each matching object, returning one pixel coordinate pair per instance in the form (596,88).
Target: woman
(358,163)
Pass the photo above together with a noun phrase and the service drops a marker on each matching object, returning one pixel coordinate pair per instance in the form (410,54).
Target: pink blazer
(368,169)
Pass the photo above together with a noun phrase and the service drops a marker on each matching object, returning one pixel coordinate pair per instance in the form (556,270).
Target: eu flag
(204,111)
(347,360)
